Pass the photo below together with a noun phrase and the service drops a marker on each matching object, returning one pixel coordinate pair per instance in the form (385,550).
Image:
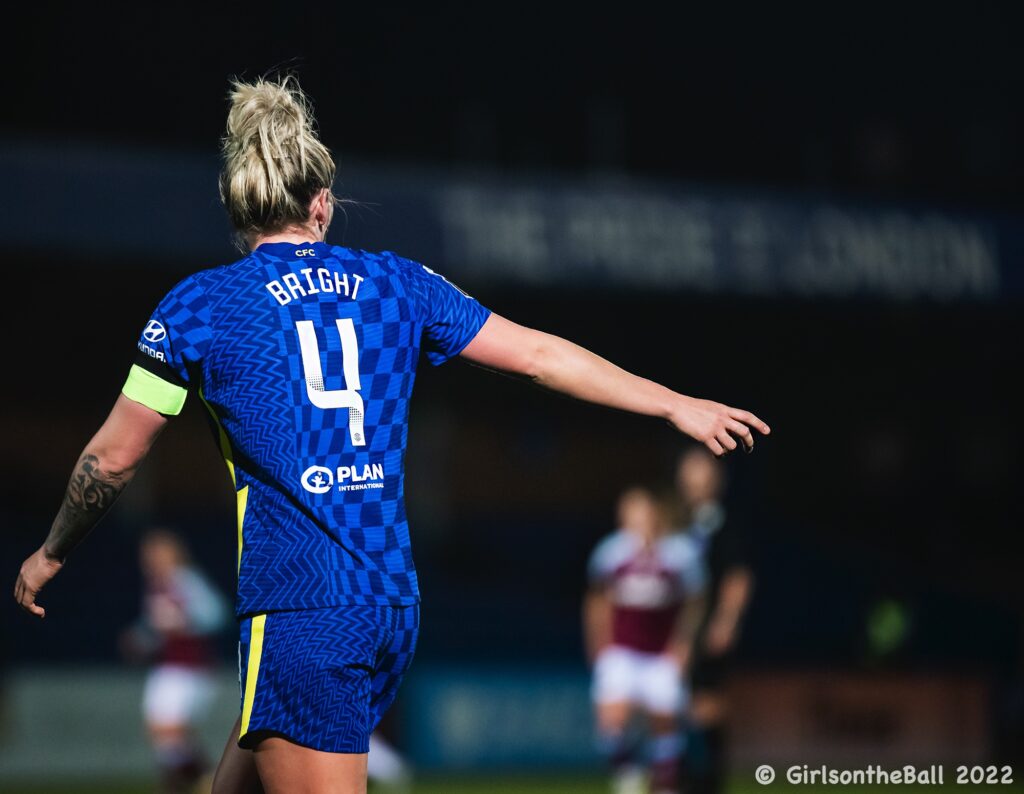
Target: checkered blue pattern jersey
(305,356)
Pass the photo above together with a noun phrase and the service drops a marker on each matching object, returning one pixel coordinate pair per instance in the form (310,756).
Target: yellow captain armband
(154,392)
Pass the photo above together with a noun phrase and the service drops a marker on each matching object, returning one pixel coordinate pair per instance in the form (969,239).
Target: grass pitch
(532,784)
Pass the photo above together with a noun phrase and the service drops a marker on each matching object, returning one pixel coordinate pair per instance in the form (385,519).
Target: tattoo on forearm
(90,493)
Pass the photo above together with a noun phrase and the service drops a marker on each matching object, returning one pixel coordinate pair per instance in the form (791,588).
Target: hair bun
(266,115)
(273,160)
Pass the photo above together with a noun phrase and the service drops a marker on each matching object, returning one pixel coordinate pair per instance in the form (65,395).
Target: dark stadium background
(894,467)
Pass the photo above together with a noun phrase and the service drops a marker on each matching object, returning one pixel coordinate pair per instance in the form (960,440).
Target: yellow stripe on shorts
(252,670)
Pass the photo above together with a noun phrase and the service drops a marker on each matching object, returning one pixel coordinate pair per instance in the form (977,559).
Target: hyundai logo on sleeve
(154,332)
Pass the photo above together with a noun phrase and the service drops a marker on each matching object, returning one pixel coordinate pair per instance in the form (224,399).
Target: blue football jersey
(305,356)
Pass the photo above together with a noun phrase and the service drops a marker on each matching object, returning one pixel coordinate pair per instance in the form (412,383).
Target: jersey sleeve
(603,561)
(171,349)
(207,613)
(450,317)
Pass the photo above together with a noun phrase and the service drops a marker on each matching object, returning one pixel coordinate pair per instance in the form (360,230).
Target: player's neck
(297,236)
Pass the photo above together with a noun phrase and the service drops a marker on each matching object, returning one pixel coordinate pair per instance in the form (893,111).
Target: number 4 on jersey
(348,397)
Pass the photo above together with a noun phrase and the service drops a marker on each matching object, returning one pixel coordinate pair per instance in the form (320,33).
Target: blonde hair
(274,162)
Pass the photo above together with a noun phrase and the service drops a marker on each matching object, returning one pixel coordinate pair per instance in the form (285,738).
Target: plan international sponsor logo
(320,479)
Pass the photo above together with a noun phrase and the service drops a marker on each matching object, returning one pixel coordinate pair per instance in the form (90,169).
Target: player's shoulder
(709,519)
(680,548)
(619,538)
(383,264)
(614,548)
(190,578)
(184,582)
(185,303)
(237,274)
(232,270)
(385,261)
(198,280)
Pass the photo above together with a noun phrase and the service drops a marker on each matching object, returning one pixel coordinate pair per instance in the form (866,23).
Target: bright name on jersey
(313,282)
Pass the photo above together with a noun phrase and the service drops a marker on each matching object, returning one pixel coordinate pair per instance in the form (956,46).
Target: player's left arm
(597,621)
(560,365)
(106,466)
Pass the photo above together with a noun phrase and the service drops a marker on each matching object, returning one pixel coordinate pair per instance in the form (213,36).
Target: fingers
(742,432)
(726,440)
(35,609)
(749,419)
(19,590)
(27,599)
(726,428)
(721,443)
(715,447)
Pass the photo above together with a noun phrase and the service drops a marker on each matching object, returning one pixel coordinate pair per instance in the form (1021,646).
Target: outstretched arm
(106,466)
(562,366)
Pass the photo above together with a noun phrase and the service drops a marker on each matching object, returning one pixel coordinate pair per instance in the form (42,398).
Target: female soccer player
(643,606)
(305,354)
(182,613)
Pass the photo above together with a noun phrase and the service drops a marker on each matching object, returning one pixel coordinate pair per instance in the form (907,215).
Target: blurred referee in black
(700,484)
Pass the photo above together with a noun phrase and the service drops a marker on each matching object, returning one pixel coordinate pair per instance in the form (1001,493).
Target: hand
(36,571)
(679,654)
(717,426)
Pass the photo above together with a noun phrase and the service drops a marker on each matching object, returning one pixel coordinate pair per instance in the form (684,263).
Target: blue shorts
(323,677)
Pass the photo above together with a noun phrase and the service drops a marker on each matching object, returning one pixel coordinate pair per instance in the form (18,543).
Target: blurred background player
(700,483)
(640,615)
(181,615)
(385,766)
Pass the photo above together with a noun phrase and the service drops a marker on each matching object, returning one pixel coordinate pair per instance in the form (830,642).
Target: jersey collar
(287,250)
